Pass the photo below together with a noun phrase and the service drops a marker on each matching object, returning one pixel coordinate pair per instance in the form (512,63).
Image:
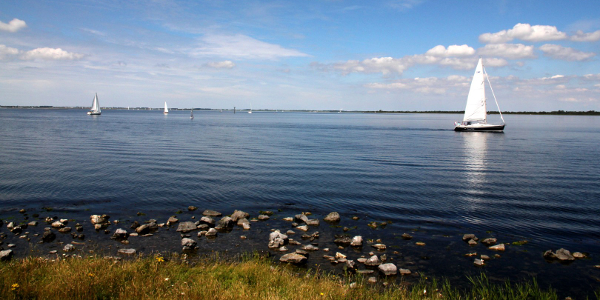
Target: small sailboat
(192,114)
(166,111)
(475,118)
(95,110)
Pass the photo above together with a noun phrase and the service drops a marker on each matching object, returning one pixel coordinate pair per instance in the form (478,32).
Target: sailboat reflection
(475,147)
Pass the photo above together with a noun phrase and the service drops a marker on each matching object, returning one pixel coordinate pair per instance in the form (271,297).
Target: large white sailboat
(166,111)
(95,110)
(475,118)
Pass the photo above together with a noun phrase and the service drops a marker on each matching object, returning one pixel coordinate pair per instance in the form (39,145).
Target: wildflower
(14,287)
(322,294)
(91,275)
(160,259)
(166,279)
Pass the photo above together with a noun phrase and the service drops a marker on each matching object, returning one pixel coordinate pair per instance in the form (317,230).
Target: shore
(300,242)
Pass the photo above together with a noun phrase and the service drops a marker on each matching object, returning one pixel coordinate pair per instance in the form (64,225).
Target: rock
(128,252)
(99,219)
(224,224)
(290,232)
(302,252)
(32,223)
(203,227)
(373,261)
(98,226)
(48,236)
(302,227)
(192,208)
(263,217)
(380,247)
(388,269)
(579,255)
(6,255)
(207,220)
(301,217)
(339,255)
(471,254)
(406,236)
(211,232)
(484,257)
(17,230)
(288,219)
(143,229)
(343,240)
(362,260)
(57,224)
(211,213)
(10,225)
(489,241)
(11,245)
(188,244)
(120,234)
(405,272)
(244,223)
(478,262)
(350,264)
(172,220)
(310,248)
(372,279)
(564,254)
(549,255)
(64,221)
(499,247)
(332,217)
(277,239)
(65,230)
(420,244)
(68,248)
(294,258)
(238,214)
(472,242)
(282,249)
(186,227)
(469,236)
(312,222)
(357,241)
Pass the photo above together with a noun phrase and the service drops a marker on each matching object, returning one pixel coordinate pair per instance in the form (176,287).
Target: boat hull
(91,113)
(479,127)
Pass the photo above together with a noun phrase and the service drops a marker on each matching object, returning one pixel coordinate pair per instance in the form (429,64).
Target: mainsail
(476,109)
(166,108)
(95,106)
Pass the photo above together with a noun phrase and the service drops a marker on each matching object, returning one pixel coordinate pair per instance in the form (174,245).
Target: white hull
(478,127)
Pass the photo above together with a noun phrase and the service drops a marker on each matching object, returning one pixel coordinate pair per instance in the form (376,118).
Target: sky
(399,55)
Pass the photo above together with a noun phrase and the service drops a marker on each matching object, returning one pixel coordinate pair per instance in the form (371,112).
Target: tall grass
(250,278)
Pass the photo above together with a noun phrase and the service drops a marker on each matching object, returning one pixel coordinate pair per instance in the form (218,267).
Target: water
(538,180)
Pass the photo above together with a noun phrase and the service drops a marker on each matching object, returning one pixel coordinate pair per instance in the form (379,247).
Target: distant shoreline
(554,112)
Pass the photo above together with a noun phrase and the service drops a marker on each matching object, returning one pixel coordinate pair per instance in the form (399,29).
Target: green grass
(251,277)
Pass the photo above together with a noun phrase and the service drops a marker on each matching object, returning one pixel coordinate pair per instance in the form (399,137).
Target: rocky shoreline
(330,242)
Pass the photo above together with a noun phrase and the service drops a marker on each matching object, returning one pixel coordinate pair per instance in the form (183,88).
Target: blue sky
(317,54)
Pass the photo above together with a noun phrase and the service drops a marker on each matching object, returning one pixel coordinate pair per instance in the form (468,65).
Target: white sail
(95,110)
(476,109)
(192,114)
(166,108)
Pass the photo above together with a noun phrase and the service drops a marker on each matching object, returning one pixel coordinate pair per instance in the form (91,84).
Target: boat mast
(488,80)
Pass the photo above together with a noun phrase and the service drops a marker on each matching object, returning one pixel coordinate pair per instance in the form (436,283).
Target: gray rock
(99,219)
(57,224)
(244,223)
(203,227)
(472,242)
(489,241)
(406,236)
(343,240)
(380,247)
(405,272)
(186,227)
(373,261)
(469,236)
(579,255)
(499,247)
(211,232)
(188,244)
(302,227)
(294,258)
(263,217)
(6,255)
(192,208)
(65,230)
(143,229)
(277,239)
(301,217)
(350,264)
(172,220)
(564,254)
(128,252)
(388,269)
(120,234)
(224,224)
(211,213)
(48,236)
(238,214)
(357,241)
(207,220)
(312,222)
(68,248)
(11,245)
(310,248)
(332,217)
(478,262)
(372,279)
(32,223)
(484,257)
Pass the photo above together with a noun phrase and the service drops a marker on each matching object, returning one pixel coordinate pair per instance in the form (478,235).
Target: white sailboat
(475,118)
(192,114)
(95,110)
(250,109)
(166,111)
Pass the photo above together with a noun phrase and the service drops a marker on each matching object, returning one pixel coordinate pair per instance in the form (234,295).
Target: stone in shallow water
(357,241)
(238,214)
(332,217)
(406,236)
(564,254)
(6,255)
(127,252)
(69,248)
(468,237)
(212,213)
(489,241)
(294,258)
(373,261)
(405,272)
(186,227)
(388,269)
(478,262)
(499,247)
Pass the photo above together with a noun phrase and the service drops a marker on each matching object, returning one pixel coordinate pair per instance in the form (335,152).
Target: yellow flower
(14,286)
(322,294)
(91,275)
(160,259)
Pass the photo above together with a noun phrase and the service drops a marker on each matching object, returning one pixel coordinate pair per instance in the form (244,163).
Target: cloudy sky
(312,54)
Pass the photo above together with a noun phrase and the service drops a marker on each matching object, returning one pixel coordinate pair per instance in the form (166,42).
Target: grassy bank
(249,278)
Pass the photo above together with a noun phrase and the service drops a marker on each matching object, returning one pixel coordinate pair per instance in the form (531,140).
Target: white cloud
(453,50)
(565,53)
(495,62)
(50,54)
(404,4)
(242,46)
(525,32)
(13,26)
(226,64)
(7,51)
(510,51)
(580,36)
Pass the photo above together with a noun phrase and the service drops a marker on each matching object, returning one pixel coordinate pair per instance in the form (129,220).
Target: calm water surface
(539,180)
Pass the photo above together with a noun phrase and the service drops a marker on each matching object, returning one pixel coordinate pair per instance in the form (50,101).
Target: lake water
(538,181)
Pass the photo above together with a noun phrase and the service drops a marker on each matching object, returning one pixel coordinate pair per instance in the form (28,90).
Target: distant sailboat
(250,109)
(166,108)
(475,118)
(192,114)
(95,110)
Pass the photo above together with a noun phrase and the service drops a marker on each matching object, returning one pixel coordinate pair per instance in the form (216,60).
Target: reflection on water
(475,154)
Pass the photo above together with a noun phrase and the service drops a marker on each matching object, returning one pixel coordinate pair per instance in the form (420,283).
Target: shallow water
(537,181)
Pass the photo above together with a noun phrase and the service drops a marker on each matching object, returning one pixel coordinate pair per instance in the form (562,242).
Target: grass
(252,277)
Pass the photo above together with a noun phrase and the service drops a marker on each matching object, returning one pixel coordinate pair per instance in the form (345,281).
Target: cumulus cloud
(453,50)
(524,32)
(226,64)
(6,52)
(565,53)
(242,46)
(580,36)
(510,51)
(428,85)
(50,54)
(13,26)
